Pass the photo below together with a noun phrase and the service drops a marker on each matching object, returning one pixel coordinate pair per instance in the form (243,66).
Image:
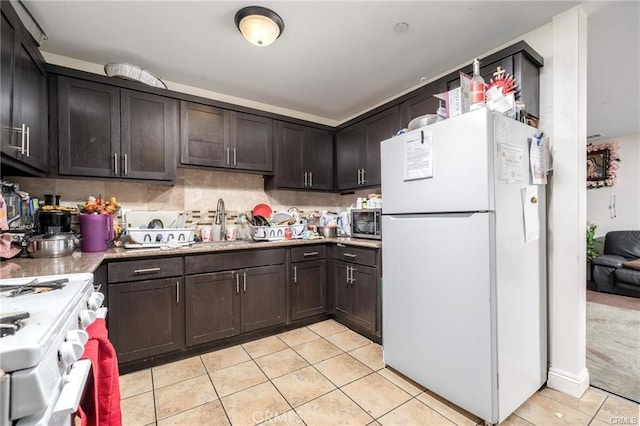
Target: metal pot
(328,231)
(47,245)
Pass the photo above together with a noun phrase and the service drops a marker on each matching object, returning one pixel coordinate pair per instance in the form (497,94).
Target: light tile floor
(324,374)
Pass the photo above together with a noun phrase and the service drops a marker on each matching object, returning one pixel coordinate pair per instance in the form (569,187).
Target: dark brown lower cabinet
(308,289)
(355,295)
(263,301)
(212,307)
(224,304)
(146,318)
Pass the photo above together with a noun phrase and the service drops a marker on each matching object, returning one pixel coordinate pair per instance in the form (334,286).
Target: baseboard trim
(568,383)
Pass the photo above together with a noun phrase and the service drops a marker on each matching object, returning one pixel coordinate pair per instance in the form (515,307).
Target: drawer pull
(310,253)
(349,255)
(177,292)
(146,271)
(295,274)
(341,245)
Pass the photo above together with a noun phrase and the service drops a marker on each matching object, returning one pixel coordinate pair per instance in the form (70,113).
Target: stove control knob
(79,336)
(70,352)
(87,317)
(95,300)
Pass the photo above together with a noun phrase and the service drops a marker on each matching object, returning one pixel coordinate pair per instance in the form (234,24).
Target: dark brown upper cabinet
(23,97)
(423,103)
(106,131)
(216,137)
(358,150)
(304,158)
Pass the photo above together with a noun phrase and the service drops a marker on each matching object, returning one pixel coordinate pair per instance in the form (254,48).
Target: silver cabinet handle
(364,179)
(237,283)
(353,280)
(295,274)
(349,255)
(244,276)
(177,292)
(305,179)
(310,179)
(235,162)
(340,245)
(358,176)
(125,168)
(24,136)
(146,270)
(115,163)
(28,140)
(310,253)
(348,276)
(227,156)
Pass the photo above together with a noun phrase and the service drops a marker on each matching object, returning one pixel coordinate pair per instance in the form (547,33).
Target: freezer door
(438,277)
(462,160)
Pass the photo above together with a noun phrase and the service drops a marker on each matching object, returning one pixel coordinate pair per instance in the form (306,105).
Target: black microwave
(366,223)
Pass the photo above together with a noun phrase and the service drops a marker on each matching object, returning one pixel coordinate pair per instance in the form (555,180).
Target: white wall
(626,191)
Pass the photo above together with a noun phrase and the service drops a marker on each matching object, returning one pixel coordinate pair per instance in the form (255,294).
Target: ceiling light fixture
(259,25)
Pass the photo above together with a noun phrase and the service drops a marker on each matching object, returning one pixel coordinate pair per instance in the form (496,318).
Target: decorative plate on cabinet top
(133,72)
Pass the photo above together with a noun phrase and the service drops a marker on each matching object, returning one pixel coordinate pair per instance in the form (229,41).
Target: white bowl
(423,120)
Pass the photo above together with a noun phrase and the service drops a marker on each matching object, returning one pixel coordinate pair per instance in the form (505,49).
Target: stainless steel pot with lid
(51,245)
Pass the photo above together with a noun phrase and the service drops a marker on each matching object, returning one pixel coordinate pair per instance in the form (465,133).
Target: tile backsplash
(194,189)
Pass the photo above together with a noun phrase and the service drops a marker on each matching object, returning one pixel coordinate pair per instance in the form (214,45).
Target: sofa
(617,270)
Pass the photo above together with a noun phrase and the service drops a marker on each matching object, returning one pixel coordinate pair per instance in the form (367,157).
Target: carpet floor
(613,344)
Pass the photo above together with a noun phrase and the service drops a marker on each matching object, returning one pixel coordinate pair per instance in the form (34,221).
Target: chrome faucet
(220,217)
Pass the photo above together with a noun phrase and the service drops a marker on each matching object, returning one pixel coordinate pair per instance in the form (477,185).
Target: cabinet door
(380,127)
(7,41)
(289,172)
(308,289)
(318,159)
(149,133)
(88,128)
(341,289)
(212,304)
(424,103)
(30,102)
(205,135)
(252,142)
(364,294)
(146,318)
(349,147)
(263,297)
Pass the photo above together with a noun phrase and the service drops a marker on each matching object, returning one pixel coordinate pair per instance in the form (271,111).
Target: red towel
(101,404)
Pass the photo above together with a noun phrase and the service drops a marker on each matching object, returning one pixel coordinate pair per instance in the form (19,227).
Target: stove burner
(32,287)
(11,323)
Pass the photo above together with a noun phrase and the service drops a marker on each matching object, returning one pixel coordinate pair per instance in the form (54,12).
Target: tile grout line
(224,410)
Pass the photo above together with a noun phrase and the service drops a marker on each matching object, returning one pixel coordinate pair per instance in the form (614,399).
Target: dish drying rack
(142,236)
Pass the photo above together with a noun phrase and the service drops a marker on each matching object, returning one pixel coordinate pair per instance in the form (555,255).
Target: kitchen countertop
(88,262)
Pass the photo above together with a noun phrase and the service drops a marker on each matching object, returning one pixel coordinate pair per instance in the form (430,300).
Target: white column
(567,206)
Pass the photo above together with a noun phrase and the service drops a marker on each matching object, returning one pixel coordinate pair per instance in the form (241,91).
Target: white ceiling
(337,59)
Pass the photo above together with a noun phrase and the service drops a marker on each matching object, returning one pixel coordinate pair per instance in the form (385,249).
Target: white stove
(43,338)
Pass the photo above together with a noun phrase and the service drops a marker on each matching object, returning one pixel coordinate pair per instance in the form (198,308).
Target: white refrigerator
(464,262)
